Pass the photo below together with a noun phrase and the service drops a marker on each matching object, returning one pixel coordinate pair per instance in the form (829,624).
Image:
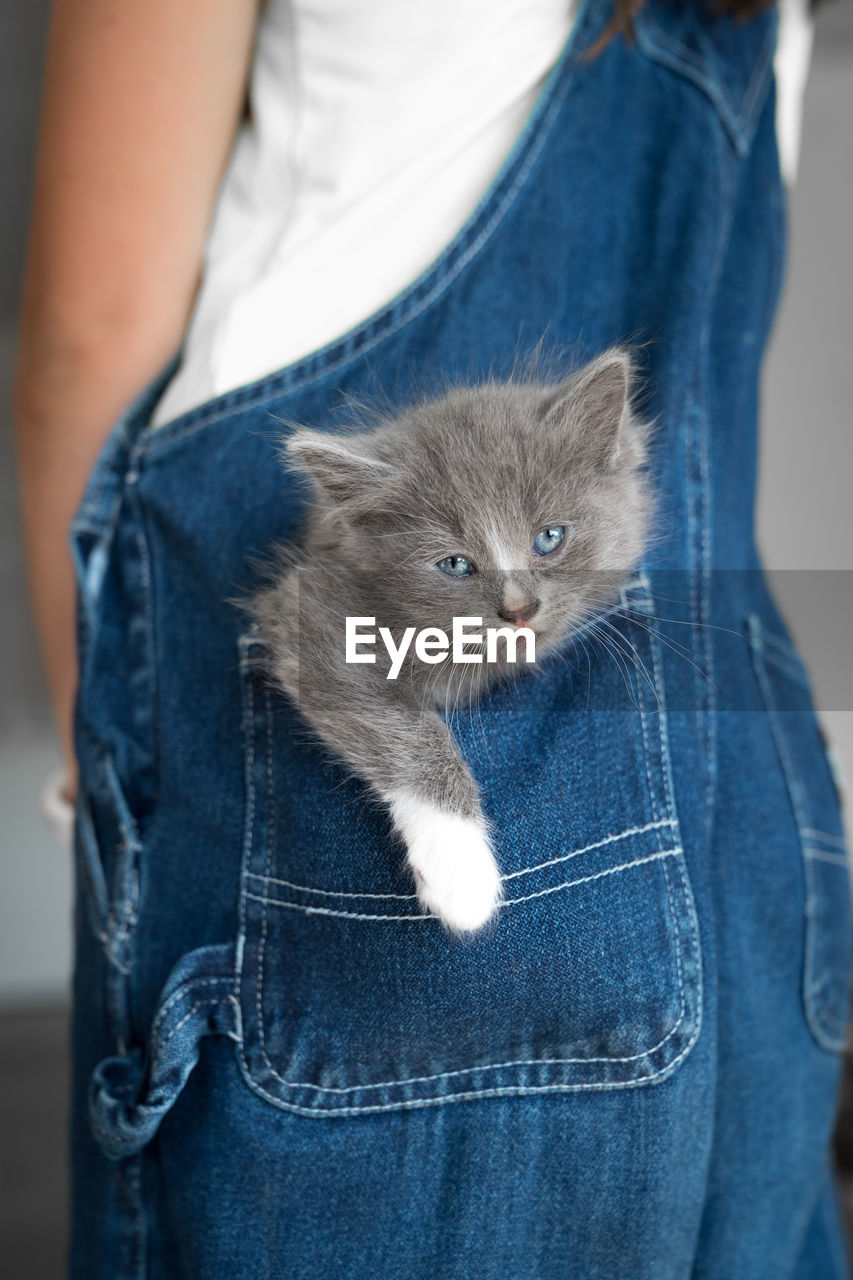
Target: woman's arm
(140,106)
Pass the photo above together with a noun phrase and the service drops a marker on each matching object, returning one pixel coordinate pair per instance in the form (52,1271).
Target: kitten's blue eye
(456,567)
(547,540)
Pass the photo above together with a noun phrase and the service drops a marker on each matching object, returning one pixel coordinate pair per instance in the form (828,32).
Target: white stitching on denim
(133,1174)
(785,646)
(259,980)
(597,844)
(328,893)
(785,661)
(597,875)
(666,770)
(507,902)
(826,836)
(507,1091)
(203,1002)
(826,1027)
(104,1130)
(698,438)
(489,1066)
(664,759)
(760,73)
(694,933)
(675,927)
(678,57)
(523,1062)
(821,855)
(705,610)
(245,643)
(641,692)
(510,875)
(186,988)
(91,864)
(327,911)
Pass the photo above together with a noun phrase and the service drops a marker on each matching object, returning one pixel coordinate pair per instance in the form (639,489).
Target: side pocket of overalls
(113,722)
(136,1072)
(107,852)
(786,694)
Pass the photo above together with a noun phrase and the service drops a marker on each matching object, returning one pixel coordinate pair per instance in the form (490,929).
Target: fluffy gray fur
(478,473)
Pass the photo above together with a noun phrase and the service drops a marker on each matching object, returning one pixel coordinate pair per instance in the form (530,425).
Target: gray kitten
(518,503)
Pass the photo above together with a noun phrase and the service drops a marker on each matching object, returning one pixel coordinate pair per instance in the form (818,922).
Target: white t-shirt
(375,128)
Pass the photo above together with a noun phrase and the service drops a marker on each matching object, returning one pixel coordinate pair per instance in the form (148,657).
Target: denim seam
(270,816)
(694,934)
(93,884)
(774,641)
(828,1030)
(700,507)
(663,734)
(820,855)
(516,1063)
(520,1062)
(510,875)
(737,122)
(246,643)
(507,1091)
(133,1173)
(669,801)
(201,1003)
(463,247)
(420,917)
(111,919)
(123,911)
(187,988)
(833,1028)
(146,587)
(787,662)
(824,835)
(652,795)
(91,502)
(134,1091)
(705,599)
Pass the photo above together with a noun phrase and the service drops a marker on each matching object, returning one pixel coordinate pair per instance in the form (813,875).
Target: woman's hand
(141,102)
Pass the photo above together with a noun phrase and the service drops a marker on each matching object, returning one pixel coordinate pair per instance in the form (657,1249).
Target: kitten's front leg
(456,875)
(435,808)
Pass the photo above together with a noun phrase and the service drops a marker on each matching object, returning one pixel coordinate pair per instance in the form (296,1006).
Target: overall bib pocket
(590,977)
(786,694)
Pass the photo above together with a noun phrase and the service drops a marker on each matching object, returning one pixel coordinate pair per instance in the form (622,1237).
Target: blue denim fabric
(281,1067)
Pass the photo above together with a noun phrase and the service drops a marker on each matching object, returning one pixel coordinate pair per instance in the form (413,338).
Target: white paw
(456,875)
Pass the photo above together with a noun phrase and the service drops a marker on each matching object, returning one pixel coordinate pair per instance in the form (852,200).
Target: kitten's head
(519,503)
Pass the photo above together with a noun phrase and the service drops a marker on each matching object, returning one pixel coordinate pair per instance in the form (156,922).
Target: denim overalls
(281,1068)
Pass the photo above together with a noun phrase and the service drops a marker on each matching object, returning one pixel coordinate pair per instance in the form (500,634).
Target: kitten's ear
(336,466)
(595,403)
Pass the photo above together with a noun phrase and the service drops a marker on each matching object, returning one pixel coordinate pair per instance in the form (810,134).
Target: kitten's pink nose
(518,614)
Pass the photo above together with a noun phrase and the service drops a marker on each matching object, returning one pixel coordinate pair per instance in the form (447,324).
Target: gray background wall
(804,515)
